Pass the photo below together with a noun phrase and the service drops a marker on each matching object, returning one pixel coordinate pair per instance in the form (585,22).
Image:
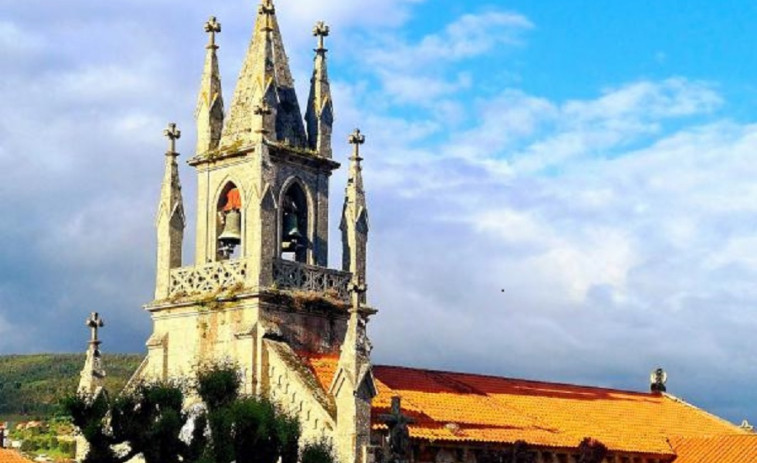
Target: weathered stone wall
(187,336)
(310,332)
(291,385)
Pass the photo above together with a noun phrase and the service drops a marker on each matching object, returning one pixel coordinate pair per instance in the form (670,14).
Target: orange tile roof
(9,456)
(722,449)
(449,406)
(323,366)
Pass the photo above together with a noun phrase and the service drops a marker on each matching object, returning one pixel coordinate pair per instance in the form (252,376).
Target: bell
(291,236)
(232,230)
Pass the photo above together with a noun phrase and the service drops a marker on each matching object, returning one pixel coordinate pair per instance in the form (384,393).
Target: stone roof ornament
(263,110)
(212,27)
(320,112)
(94,322)
(746,426)
(93,373)
(358,290)
(658,379)
(356,139)
(321,30)
(268,10)
(173,134)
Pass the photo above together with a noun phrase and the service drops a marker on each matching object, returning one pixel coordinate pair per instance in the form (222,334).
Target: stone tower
(260,292)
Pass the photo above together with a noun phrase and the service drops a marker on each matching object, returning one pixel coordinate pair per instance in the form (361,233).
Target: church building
(261,294)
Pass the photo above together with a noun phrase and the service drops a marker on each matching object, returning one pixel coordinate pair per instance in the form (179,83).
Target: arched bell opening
(229,223)
(294,224)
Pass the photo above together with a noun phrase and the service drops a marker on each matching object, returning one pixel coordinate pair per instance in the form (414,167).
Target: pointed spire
(320,112)
(210,112)
(92,375)
(354,224)
(353,386)
(171,221)
(265,78)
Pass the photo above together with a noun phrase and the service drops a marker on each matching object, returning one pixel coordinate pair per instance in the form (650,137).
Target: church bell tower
(260,293)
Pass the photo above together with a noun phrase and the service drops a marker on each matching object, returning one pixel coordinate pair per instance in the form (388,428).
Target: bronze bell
(292,235)
(232,230)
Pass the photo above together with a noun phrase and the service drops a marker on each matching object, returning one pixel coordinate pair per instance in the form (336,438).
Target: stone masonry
(260,292)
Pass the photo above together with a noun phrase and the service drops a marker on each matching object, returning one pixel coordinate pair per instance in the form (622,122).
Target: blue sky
(596,160)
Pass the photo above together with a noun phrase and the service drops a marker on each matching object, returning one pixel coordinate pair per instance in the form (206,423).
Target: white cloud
(469,36)
(14,41)
(417,72)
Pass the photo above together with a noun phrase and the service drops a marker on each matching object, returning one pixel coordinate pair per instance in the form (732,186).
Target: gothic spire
(265,79)
(354,224)
(353,386)
(320,112)
(210,112)
(170,221)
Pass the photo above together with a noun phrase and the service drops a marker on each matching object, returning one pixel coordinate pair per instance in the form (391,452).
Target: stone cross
(267,9)
(173,134)
(94,322)
(321,30)
(357,139)
(212,27)
(399,433)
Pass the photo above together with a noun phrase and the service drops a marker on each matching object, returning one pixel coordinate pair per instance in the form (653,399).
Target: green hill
(31,385)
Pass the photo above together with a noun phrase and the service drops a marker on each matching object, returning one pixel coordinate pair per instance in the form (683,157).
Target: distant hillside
(31,385)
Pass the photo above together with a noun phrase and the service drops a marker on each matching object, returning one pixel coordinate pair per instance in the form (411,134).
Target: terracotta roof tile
(323,367)
(463,407)
(9,456)
(722,449)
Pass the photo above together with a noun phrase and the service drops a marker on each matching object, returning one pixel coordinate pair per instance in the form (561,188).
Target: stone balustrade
(288,275)
(202,279)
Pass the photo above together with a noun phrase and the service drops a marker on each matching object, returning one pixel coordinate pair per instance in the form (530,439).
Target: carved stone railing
(288,275)
(207,278)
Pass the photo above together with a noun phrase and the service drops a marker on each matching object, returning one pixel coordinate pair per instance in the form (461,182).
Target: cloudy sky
(596,163)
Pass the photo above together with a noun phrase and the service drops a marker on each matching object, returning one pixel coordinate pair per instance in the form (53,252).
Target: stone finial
(356,139)
(170,221)
(212,27)
(94,322)
(268,10)
(320,113)
(93,373)
(173,134)
(358,290)
(657,380)
(321,30)
(262,110)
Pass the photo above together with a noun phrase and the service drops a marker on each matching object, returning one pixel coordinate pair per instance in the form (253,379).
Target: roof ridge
(681,401)
(530,381)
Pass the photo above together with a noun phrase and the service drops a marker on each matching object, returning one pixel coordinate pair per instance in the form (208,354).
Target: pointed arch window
(294,224)
(229,223)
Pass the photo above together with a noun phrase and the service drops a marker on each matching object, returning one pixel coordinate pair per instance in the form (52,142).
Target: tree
(243,429)
(318,452)
(88,414)
(230,427)
(150,419)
